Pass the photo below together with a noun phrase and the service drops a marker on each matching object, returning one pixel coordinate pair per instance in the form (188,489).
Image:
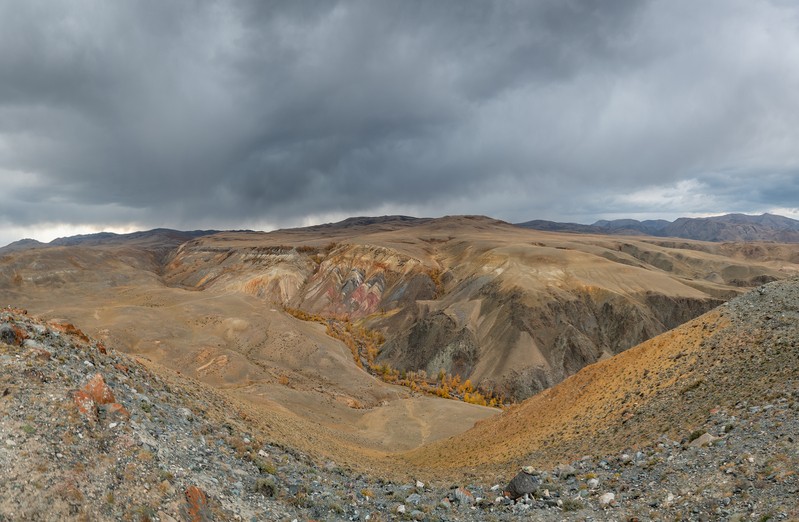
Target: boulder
(11,335)
(523,483)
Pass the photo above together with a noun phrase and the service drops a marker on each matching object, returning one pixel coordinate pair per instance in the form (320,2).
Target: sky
(131,115)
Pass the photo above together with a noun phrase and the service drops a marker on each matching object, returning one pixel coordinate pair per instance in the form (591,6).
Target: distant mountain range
(159,236)
(729,227)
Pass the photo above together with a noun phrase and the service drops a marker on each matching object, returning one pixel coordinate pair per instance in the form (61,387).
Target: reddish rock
(101,348)
(116,411)
(71,329)
(99,390)
(121,367)
(85,404)
(196,509)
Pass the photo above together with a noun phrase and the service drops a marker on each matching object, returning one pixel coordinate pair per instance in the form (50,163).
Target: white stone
(401,509)
(419,484)
(593,483)
(606,499)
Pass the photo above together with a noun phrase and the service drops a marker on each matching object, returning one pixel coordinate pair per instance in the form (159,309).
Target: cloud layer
(201,114)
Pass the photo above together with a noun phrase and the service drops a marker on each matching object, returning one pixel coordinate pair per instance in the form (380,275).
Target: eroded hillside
(513,310)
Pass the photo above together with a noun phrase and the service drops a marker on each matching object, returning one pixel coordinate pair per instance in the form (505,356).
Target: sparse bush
(571,504)
(265,467)
(266,487)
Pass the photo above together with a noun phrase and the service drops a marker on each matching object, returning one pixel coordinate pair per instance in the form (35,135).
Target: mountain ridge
(727,227)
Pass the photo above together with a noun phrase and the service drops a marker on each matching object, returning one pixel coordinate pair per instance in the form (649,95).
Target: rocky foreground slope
(705,430)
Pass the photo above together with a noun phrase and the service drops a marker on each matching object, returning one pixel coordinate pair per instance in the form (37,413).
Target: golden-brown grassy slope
(746,350)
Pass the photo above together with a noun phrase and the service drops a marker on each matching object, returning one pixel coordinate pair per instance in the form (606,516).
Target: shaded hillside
(745,353)
(729,227)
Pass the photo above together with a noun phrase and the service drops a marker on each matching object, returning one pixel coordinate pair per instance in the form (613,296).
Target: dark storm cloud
(192,114)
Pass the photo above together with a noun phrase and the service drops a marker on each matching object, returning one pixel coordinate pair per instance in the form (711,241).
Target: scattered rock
(564,471)
(703,440)
(463,496)
(414,499)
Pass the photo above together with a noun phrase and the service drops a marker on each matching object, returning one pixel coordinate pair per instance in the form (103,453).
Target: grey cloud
(172,113)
